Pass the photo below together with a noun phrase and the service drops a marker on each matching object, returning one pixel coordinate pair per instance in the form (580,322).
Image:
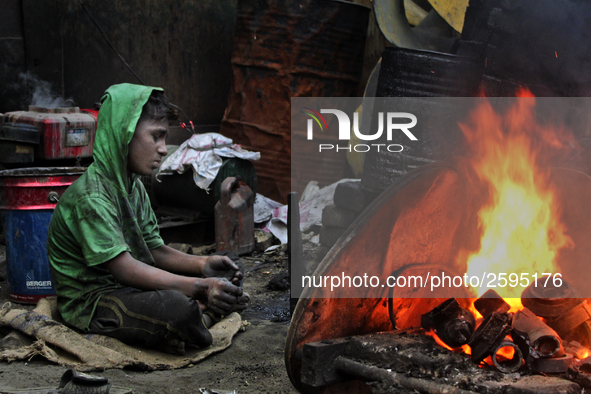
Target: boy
(112,272)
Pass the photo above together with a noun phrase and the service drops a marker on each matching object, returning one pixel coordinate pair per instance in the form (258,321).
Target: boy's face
(148,145)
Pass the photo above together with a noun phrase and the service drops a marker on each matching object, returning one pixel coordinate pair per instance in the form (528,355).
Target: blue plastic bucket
(27,200)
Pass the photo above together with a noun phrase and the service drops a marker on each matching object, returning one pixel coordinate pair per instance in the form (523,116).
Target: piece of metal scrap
(489,335)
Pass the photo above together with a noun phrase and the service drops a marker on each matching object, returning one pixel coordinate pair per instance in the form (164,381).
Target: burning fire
(464,348)
(520,225)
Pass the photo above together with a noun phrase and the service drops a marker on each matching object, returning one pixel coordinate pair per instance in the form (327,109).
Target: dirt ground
(253,364)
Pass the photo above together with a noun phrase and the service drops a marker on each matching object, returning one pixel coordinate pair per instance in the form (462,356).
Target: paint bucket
(28,197)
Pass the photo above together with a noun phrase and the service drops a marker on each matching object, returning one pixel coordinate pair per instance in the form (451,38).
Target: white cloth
(203,153)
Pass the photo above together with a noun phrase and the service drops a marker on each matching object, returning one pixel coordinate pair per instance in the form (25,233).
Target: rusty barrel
(285,49)
(28,197)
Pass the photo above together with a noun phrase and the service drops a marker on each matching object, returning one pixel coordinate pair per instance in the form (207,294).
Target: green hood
(117,119)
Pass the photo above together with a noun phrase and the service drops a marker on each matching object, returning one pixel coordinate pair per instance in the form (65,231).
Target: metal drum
(28,197)
(285,49)
(417,77)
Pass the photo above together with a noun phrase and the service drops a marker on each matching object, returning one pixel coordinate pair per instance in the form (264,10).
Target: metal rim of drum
(299,327)
(35,188)
(42,171)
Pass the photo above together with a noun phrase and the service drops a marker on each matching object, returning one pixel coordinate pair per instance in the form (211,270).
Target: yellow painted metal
(433,33)
(393,22)
(414,13)
(453,11)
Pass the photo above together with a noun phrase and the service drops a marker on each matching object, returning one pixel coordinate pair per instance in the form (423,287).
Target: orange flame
(465,348)
(506,352)
(520,226)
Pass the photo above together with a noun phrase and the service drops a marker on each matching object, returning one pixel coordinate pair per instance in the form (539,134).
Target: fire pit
(460,218)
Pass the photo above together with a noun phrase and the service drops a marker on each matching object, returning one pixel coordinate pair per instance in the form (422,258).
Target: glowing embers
(453,324)
(521,340)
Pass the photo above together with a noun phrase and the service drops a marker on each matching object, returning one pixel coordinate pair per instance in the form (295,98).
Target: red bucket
(28,197)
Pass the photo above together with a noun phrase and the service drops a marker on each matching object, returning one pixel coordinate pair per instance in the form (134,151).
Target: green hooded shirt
(102,214)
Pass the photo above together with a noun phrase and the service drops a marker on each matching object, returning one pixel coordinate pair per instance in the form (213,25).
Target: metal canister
(418,79)
(234,217)
(28,197)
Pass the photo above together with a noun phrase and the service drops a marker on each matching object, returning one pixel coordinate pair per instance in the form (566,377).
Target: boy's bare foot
(242,303)
(172,346)
(208,321)
(210,318)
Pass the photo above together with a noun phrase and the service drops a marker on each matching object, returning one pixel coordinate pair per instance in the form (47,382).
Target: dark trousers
(147,317)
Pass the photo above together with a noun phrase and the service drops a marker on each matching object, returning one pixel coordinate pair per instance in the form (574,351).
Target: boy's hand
(222,267)
(218,294)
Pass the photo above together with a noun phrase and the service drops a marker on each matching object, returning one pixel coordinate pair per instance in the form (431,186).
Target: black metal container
(17,142)
(414,73)
(418,77)
(179,190)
